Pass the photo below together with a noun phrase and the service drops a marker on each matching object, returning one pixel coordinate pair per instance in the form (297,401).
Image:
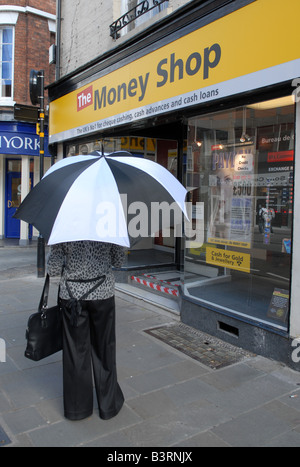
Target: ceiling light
(196,145)
(273,103)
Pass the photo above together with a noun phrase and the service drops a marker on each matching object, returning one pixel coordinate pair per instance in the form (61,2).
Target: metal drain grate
(4,439)
(206,349)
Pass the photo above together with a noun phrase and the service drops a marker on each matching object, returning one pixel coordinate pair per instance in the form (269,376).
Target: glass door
(13,198)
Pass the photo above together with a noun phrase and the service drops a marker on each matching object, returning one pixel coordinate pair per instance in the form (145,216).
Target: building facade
(27,30)
(209,90)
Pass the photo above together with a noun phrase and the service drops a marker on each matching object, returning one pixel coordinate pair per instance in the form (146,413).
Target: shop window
(239,170)
(137,146)
(6,62)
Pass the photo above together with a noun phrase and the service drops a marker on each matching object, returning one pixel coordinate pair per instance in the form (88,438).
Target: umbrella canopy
(102,198)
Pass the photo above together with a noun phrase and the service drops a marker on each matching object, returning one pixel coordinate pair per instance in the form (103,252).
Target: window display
(239,166)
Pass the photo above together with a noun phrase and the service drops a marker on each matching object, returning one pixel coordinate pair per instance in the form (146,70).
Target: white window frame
(8,101)
(9,15)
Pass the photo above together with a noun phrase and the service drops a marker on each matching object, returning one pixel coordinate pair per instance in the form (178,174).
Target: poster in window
(231,202)
(279,305)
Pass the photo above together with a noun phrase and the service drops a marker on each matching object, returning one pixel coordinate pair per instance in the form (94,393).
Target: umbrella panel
(144,198)
(41,205)
(92,209)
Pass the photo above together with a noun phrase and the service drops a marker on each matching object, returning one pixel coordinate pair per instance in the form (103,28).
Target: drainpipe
(41,241)
(58,37)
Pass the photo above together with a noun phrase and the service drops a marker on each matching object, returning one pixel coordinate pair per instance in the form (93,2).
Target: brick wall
(46,5)
(32,42)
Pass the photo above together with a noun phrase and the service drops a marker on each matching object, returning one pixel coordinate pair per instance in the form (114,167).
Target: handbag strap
(99,280)
(45,294)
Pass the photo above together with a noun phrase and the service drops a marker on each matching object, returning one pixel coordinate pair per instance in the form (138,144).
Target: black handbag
(44,328)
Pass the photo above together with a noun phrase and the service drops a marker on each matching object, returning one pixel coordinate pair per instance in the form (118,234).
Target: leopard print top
(85,260)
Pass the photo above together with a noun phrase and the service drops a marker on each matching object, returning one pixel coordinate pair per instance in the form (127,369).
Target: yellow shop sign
(213,62)
(228,259)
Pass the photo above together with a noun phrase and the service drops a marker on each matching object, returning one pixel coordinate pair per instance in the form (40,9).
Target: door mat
(4,439)
(200,346)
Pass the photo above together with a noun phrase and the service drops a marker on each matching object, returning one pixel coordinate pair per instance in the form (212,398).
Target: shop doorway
(162,145)
(154,264)
(13,198)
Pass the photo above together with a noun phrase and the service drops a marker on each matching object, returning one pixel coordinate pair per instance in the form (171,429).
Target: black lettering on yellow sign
(192,66)
(135,87)
(169,69)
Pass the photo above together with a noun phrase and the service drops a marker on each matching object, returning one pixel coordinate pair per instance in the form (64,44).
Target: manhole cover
(4,439)
(206,349)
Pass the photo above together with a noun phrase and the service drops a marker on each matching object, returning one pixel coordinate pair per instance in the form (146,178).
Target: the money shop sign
(215,61)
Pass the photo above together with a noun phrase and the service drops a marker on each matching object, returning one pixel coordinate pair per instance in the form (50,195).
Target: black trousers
(90,349)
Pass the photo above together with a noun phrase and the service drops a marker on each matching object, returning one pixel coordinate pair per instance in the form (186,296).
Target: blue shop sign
(21,139)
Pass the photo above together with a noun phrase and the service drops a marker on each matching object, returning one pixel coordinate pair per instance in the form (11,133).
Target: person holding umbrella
(88,307)
(80,209)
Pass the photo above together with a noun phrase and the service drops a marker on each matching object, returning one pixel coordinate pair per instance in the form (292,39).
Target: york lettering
(173,68)
(17,142)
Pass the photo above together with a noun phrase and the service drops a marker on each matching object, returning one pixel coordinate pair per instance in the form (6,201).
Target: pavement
(173,400)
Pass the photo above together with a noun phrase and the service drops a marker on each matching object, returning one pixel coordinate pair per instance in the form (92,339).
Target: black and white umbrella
(102,198)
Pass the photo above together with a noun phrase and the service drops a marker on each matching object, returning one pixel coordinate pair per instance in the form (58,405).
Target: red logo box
(85,98)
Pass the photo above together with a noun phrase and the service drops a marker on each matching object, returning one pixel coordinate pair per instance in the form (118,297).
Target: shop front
(219,108)
(19,171)
(242,186)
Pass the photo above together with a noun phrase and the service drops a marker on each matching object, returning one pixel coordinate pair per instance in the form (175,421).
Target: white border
(9,15)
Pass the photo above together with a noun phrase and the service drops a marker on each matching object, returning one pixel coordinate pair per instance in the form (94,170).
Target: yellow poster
(228,259)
